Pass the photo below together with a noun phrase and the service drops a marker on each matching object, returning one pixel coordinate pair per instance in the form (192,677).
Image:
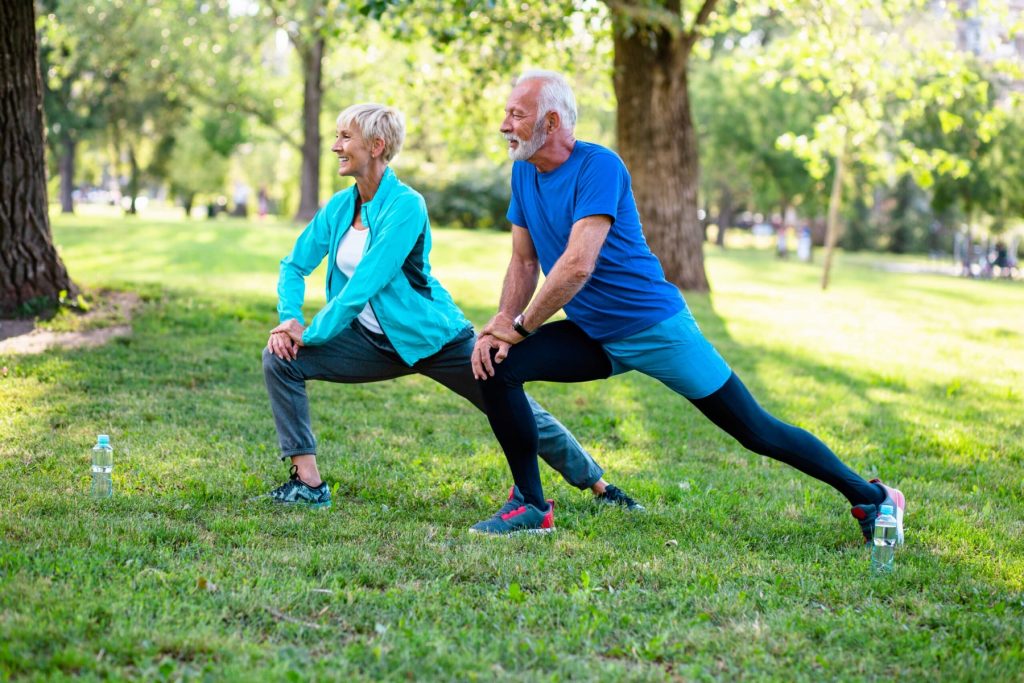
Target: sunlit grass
(916,378)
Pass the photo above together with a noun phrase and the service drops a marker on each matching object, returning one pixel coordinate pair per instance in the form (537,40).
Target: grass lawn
(915,378)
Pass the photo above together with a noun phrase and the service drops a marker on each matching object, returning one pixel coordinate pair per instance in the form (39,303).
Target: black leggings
(562,352)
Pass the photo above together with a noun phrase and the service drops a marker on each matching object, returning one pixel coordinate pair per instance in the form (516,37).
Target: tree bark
(309,191)
(67,173)
(657,140)
(30,268)
(832,227)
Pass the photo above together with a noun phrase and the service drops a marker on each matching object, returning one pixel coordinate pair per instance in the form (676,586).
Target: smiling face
(523,127)
(353,150)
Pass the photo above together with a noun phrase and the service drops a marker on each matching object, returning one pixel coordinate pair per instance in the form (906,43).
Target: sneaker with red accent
(517,517)
(515,500)
(865,514)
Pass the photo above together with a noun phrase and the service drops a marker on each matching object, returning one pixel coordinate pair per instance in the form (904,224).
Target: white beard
(527,148)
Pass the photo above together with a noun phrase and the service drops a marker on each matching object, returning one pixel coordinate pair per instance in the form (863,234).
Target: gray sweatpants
(358,355)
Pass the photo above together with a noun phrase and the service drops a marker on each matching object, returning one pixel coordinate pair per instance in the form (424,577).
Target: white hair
(377,121)
(555,95)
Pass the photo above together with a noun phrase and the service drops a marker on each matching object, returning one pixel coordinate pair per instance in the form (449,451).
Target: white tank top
(350,253)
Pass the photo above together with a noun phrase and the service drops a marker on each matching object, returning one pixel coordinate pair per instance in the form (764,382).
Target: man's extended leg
(677,354)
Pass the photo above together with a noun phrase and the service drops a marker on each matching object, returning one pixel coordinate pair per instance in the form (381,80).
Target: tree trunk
(658,142)
(309,191)
(30,268)
(726,211)
(133,179)
(832,227)
(67,173)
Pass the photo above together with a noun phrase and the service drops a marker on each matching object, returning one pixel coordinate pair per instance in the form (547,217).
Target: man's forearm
(561,285)
(519,286)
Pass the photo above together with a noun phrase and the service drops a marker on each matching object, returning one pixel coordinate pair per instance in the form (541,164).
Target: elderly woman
(386,316)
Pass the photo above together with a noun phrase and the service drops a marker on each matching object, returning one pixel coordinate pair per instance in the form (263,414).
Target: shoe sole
(298,504)
(636,508)
(901,504)
(534,532)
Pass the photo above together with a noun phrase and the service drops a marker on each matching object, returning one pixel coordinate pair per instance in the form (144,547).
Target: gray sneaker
(297,492)
(517,517)
(613,495)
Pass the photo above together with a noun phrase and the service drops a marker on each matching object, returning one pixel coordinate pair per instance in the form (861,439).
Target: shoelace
(293,478)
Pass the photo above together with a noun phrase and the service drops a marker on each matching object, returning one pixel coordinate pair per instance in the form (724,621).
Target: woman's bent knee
(272,365)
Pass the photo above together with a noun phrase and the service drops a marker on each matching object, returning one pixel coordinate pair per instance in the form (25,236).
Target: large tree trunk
(658,142)
(67,173)
(309,191)
(29,265)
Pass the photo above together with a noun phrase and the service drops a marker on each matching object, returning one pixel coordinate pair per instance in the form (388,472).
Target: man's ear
(554,121)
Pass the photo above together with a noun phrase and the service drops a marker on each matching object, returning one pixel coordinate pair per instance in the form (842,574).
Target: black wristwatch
(517,325)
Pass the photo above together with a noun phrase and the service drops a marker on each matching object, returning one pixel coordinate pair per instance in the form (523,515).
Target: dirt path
(18,337)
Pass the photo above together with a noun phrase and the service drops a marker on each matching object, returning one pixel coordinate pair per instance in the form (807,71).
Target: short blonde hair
(377,121)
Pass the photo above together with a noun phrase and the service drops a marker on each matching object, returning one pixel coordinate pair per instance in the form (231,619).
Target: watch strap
(517,325)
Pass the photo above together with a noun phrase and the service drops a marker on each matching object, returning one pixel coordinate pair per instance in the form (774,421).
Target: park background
(894,127)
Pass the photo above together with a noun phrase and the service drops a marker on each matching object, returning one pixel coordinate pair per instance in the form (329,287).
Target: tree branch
(652,17)
(700,20)
(281,22)
(248,108)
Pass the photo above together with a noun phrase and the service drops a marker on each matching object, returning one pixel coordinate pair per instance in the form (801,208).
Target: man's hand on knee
(483,367)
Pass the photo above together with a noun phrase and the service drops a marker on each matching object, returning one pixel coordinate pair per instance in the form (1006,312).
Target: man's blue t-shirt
(627,292)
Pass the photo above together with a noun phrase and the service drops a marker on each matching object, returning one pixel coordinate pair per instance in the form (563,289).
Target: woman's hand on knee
(285,339)
(282,346)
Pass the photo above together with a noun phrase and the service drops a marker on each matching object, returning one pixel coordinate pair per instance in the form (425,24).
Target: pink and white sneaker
(865,514)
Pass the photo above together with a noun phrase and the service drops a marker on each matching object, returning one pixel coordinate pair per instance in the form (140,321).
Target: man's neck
(554,153)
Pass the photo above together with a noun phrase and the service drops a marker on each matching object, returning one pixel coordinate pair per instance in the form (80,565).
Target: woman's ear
(378,148)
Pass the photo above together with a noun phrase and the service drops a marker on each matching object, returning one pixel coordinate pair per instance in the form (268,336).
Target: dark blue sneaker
(517,517)
(865,514)
(297,492)
(613,495)
(515,501)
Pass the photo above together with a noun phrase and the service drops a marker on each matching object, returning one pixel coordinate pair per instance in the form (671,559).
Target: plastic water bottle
(102,467)
(883,552)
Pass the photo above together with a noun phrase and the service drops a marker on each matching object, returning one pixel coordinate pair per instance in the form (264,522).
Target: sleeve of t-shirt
(515,214)
(598,187)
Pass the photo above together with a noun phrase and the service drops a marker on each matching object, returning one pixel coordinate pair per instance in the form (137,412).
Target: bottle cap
(886,509)
(102,440)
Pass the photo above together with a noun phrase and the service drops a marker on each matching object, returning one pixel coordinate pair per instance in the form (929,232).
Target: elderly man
(573,215)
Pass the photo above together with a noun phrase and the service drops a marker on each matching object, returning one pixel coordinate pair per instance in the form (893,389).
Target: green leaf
(515,593)
(950,121)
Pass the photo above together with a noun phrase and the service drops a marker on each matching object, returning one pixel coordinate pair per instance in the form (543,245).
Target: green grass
(918,379)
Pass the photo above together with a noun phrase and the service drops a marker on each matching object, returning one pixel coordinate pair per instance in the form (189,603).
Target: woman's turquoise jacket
(416,313)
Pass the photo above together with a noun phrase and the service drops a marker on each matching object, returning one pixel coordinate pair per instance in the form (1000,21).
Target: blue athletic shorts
(674,352)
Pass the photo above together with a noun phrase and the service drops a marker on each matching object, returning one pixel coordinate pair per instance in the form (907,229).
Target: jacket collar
(387,183)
